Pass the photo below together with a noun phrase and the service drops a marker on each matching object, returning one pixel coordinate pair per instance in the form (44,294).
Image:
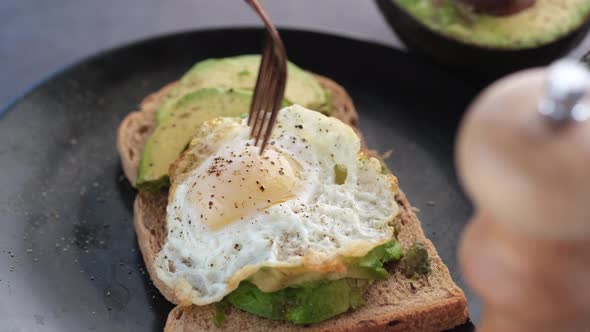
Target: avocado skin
(478,64)
(155,185)
(586,59)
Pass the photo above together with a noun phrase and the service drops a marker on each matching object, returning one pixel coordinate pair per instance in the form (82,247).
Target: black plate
(69,260)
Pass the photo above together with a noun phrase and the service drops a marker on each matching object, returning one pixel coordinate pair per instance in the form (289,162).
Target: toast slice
(433,304)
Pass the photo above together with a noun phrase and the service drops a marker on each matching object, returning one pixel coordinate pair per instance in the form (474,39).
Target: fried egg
(233,212)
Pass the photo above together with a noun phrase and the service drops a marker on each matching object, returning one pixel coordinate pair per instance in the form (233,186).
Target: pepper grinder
(523,158)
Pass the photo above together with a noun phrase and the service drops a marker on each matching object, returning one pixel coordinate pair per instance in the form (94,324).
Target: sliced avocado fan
(173,134)
(214,88)
(240,72)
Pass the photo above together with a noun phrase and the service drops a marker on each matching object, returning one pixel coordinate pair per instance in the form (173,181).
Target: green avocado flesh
(174,133)
(308,303)
(241,72)
(317,300)
(341,173)
(544,22)
(371,266)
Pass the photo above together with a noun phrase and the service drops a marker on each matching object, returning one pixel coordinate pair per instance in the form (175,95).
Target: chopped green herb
(416,262)
(220,308)
(340,174)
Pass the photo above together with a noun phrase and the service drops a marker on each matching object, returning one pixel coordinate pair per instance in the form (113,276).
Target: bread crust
(136,129)
(434,303)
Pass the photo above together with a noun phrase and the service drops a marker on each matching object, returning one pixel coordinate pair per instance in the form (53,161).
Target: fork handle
(257,6)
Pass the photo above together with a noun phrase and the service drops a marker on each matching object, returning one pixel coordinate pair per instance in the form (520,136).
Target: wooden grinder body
(527,250)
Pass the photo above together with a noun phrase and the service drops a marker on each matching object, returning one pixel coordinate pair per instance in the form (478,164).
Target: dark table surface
(40,37)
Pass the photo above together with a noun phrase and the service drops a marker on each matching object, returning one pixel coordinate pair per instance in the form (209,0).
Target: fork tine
(259,82)
(256,100)
(266,77)
(270,84)
(280,90)
(275,102)
(269,78)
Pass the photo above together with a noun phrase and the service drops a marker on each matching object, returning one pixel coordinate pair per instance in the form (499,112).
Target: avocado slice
(542,23)
(371,266)
(309,303)
(241,72)
(315,300)
(173,134)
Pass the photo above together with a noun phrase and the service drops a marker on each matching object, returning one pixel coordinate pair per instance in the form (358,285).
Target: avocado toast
(428,303)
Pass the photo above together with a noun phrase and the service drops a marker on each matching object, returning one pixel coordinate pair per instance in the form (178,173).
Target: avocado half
(478,61)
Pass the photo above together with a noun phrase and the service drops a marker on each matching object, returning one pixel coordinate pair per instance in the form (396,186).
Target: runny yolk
(240,184)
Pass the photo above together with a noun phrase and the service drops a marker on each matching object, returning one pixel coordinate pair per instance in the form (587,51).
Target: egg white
(320,223)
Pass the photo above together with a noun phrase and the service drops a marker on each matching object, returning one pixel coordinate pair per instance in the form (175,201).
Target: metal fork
(270,84)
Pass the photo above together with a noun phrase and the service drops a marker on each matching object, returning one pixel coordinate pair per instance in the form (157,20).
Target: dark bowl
(473,60)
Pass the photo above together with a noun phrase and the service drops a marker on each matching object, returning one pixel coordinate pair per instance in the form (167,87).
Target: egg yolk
(240,184)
